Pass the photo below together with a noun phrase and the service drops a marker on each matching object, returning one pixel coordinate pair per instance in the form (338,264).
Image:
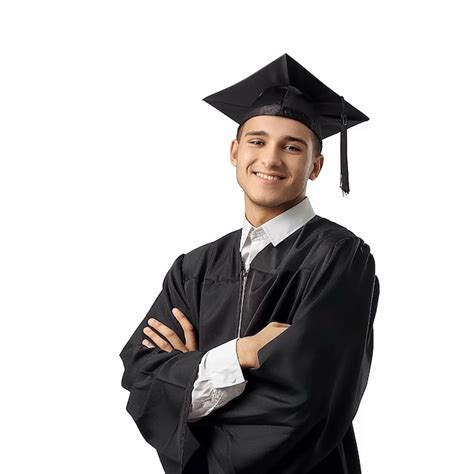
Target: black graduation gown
(295,415)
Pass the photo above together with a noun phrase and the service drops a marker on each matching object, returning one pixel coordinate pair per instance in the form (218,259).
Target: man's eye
(291,147)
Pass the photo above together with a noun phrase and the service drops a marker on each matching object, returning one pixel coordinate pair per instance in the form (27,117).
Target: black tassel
(344,184)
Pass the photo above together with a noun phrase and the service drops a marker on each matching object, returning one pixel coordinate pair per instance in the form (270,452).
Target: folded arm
(160,382)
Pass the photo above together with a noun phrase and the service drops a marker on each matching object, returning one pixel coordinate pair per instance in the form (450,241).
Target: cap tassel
(344,167)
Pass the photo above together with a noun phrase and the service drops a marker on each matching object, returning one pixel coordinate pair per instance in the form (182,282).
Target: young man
(256,353)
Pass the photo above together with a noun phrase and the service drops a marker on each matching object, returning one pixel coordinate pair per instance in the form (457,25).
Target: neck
(258,215)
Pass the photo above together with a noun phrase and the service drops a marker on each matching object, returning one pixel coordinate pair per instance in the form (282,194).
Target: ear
(233,151)
(317,165)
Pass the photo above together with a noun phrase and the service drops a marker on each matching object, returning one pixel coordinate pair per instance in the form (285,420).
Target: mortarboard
(285,88)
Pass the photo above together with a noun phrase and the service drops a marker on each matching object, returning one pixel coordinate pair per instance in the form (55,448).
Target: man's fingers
(182,319)
(174,341)
(189,332)
(147,343)
(159,341)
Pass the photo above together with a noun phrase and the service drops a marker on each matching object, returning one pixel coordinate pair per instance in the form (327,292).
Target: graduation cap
(285,88)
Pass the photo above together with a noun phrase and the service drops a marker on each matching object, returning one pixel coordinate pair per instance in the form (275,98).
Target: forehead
(276,125)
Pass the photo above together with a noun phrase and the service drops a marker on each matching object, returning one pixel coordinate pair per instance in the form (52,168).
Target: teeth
(266,176)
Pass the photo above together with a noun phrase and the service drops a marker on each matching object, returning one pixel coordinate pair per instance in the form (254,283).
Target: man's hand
(248,347)
(174,341)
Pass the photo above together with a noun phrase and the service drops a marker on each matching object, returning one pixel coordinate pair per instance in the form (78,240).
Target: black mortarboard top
(285,88)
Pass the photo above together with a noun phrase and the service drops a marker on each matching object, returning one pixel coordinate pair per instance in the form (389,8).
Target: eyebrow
(287,137)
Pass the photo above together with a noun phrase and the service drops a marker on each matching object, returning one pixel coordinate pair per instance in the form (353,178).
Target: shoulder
(322,237)
(327,230)
(196,261)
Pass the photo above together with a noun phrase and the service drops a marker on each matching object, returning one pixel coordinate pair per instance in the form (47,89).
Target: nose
(270,156)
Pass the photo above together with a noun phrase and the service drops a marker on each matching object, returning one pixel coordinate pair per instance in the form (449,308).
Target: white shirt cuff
(224,366)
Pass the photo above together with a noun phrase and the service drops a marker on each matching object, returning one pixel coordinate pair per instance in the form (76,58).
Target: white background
(112,166)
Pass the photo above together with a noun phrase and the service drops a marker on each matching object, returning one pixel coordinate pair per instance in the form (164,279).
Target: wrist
(244,352)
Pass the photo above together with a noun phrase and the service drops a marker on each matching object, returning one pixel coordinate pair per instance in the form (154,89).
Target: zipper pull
(243,271)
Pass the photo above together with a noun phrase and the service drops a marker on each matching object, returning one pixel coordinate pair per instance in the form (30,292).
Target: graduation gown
(295,415)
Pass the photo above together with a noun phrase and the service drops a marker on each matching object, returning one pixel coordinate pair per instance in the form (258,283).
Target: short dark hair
(314,139)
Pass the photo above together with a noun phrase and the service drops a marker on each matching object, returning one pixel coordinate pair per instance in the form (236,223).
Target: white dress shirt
(220,377)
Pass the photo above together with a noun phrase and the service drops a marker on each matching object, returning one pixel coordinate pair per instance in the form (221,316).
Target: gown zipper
(243,280)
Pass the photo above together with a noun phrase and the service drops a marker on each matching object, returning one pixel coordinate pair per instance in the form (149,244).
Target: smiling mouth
(266,177)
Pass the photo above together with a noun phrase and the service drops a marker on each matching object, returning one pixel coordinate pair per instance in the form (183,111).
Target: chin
(266,200)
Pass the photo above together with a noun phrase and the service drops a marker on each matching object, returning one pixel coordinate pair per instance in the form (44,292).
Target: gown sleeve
(300,403)
(160,382)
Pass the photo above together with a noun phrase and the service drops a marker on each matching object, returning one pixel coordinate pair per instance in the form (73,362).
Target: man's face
(277,146)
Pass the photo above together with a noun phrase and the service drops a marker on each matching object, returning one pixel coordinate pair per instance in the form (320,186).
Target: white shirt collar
(280,227)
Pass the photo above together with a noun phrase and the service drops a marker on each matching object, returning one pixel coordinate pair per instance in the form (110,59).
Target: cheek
(244,163)
(241,169)
(298,170)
